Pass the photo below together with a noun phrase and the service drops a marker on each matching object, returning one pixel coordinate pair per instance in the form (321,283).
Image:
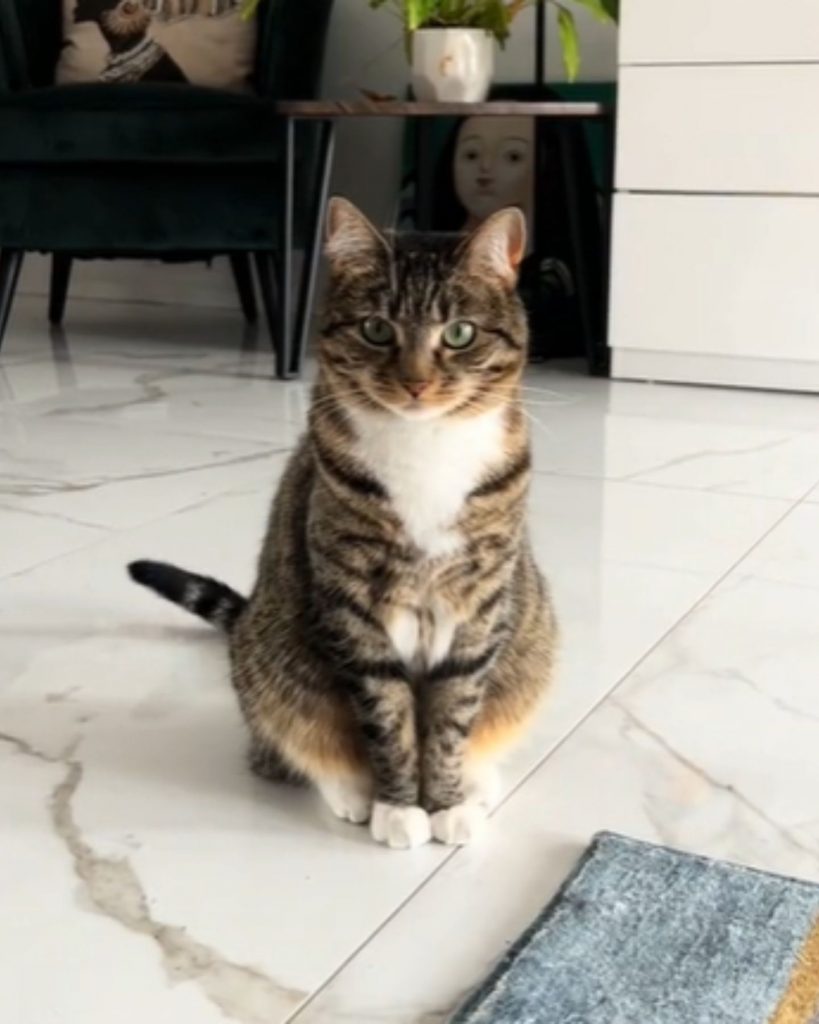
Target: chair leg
(11,260)
(309,270)
(265,271)
(60,277)
(240,265)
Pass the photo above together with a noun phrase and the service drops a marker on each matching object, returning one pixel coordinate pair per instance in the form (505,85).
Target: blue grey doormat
(641,934)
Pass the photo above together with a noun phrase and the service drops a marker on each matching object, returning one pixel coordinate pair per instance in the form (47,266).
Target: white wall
(364,49)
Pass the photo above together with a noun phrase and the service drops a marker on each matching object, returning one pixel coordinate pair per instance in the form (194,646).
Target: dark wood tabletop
(326,109)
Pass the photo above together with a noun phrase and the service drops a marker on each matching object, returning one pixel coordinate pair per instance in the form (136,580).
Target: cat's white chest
(428,468)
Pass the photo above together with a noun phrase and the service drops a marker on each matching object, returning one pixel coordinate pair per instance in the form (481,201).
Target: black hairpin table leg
(580,269)
(424,173)
(602,362)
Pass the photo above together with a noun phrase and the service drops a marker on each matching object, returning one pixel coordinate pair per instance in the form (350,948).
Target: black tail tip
(144,571)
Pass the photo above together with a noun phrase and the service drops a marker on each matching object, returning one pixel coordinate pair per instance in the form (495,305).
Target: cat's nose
(416,387)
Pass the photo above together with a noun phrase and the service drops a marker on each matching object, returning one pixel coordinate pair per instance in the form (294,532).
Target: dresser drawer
(669,31)
(742,128)
(719,275)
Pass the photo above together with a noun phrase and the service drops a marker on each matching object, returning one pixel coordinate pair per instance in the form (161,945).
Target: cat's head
(121,18)
(423,325)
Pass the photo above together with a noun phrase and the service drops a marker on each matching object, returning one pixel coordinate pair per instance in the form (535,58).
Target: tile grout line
(657,643)
(294,1017)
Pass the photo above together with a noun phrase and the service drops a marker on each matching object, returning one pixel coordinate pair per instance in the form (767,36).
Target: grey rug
(641,934)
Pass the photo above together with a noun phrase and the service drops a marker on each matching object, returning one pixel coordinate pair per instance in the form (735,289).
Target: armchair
(175,172)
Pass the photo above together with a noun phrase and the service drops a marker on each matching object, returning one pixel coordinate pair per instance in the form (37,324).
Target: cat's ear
(350,237)
(498,246)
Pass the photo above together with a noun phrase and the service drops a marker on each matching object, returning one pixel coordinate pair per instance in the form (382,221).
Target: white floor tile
(118,476)
(696,438)
(201,894)
(32,538)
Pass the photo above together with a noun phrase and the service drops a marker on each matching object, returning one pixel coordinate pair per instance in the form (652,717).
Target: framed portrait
(555,172)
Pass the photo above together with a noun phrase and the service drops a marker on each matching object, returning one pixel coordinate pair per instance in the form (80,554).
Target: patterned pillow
(201,42)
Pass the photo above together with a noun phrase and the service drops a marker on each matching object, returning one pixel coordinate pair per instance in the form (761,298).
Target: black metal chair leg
(11,260)
(284,266)
(267,277)
(309,271)
(60,277)
(240,265)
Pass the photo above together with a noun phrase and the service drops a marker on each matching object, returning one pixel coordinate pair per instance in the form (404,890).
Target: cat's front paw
(459,825)
(400,828)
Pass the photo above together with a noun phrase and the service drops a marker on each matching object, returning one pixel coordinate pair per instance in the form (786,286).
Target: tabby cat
(399,634)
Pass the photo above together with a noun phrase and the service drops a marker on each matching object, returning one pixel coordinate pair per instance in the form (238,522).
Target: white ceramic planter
(452,64)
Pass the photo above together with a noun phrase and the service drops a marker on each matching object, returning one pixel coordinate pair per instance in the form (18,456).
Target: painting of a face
(118,17)
(493,164)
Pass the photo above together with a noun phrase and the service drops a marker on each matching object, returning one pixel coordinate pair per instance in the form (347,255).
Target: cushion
(136,124)
(199,42)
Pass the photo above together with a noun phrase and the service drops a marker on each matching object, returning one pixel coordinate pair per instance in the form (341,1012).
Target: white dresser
(715,272)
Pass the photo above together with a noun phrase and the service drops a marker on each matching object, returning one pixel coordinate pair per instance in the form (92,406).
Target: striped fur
(211,600)
(399,629)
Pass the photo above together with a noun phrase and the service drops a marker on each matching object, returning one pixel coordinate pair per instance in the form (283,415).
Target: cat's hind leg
(482,783)
(349,797)
(266,762)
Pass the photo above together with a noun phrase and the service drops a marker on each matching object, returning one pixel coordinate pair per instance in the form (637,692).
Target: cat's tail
(211,600)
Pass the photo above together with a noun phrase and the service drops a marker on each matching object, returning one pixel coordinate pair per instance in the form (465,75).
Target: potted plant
(452,42)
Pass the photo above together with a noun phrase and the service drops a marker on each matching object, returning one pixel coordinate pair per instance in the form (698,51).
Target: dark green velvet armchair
(172,171)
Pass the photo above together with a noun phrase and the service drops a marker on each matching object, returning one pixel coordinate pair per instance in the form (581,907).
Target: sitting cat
(399,634)
(134,56)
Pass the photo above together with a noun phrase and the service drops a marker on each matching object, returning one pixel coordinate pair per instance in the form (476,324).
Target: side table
(291,313)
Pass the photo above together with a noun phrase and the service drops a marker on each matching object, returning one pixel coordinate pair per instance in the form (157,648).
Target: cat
(134,56)
(399,634)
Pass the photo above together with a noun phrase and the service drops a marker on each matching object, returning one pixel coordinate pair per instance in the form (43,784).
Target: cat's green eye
(459,334)
(377,330)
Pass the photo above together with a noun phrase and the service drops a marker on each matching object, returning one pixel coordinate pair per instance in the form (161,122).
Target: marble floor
(146,876)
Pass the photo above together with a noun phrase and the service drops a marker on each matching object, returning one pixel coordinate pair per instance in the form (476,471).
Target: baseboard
(725,371)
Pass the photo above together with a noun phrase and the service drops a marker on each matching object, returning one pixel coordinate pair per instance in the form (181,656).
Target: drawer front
(719,275)
(743,128)
(668,31)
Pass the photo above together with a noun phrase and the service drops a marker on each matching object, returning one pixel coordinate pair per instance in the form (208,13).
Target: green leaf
(249,8)
(415,13)
(569,41)
(603,10)
(493,17)
(612,8)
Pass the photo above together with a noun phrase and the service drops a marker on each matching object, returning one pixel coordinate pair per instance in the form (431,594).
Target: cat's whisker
(546,391)
(538,423)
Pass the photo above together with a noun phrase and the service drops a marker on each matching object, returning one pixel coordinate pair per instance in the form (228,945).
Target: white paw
(348,798)
(482,784)
(400,828)
(459,825)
